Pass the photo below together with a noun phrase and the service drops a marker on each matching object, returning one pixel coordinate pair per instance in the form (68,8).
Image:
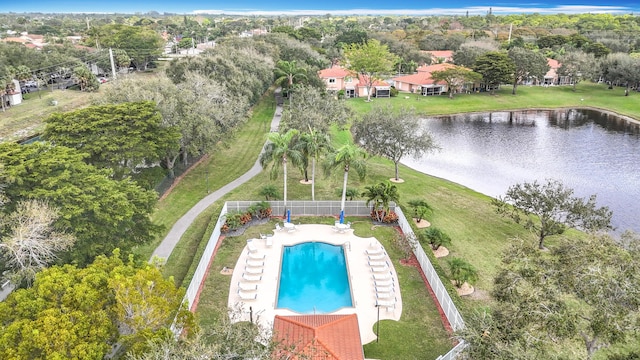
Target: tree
(577,65)
(29,241)
(313,144)
(278,151)
(78,313)
(468,53)
(436,237)
(371,60)
(347,156)
(314,109)
(550,208)
(528,64)
(586,288)
(393,134)
(462,271)
(420,208)
(102,213)
(142,44)
(118,137)
(622,69)
(288,73)
(85,78)
(455,77)
(380,196)
(495,67)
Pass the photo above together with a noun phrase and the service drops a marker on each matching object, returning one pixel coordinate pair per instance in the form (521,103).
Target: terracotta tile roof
(445,54)
(334,72)
(363,81)
(318,337)
(554,65)
(423,77)
(15,39)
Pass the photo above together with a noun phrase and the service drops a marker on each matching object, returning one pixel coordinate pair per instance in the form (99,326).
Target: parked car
(103,79)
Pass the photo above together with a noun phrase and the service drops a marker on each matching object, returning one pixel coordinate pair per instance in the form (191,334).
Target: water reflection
(590,151)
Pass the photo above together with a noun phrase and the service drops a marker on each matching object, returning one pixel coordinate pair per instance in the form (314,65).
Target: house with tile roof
(337,78)
(552,77)
(421,82)
(440,56)
(318,337)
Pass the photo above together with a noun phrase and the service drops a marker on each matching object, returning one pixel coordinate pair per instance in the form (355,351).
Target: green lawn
(478,235)
(528,97)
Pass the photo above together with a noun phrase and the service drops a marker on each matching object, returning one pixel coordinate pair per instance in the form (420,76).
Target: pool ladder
(348,245)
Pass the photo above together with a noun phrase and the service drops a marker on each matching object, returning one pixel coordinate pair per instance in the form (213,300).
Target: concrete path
(169,242)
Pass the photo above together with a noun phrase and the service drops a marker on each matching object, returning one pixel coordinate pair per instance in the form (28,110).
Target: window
(332,81)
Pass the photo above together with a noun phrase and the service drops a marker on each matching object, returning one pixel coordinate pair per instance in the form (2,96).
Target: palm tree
(288,73)
(277,151)
(347,156)
(312,145)
(381,195)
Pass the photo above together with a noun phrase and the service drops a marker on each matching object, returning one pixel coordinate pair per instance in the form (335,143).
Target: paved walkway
(169,242)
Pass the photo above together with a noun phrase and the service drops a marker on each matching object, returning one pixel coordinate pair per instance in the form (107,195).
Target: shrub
(269,192)
(393,92)
(435,237)
(462,271)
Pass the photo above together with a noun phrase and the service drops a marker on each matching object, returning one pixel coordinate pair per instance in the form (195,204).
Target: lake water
(589,151)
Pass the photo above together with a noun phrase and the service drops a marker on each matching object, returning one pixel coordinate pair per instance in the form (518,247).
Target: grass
(420,324)
(528,97)
(466,216)
(25,120)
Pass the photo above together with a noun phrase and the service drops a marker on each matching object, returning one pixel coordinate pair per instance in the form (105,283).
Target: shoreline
(593,108)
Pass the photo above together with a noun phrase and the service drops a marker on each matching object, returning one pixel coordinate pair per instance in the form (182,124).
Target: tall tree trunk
(344,190)
(515,86)
(313,179)
(284,165)
(396,164)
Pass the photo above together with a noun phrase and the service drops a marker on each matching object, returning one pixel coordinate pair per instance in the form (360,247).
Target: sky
(335,7)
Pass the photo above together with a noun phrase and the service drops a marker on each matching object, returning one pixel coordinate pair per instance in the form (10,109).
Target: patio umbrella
(341,216)
(288,216)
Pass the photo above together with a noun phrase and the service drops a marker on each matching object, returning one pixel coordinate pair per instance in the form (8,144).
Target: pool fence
(331,208)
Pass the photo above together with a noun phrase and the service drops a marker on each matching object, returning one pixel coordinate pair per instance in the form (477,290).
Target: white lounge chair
(255,263)
(386,303)
(256,256)
(378,263)
(247,287)
(251,277)
(251,246)
(378,257)
(379,269)
(381,283)
(377,251)
(245,296)
(384,289)
(278,228)
(382,276)
(253,271)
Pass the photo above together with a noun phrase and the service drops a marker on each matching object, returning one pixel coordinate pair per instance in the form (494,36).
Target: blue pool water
(313,279)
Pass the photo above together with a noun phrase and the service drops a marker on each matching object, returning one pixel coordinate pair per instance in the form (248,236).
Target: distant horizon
(332,7)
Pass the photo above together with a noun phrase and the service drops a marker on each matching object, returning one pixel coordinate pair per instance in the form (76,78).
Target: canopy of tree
(74,313)
(102,213)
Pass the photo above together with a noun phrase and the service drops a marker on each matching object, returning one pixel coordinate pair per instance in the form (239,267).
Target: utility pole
(510,28)
(113,64)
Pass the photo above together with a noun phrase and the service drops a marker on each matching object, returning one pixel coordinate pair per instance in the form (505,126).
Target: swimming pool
(313,278)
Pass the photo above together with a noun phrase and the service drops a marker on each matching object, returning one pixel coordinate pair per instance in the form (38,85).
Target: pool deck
(361,276)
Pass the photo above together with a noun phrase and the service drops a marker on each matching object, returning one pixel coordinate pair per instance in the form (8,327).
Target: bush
(269,192)
(393,92)
(435,237)
(462,271)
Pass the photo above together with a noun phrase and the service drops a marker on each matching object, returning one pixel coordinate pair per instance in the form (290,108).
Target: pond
(591,152)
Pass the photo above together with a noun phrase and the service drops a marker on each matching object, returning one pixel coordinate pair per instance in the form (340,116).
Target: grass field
(528,97)
(466,216)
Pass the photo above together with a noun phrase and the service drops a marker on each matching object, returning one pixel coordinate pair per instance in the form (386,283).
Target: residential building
(337,78)
(421,82)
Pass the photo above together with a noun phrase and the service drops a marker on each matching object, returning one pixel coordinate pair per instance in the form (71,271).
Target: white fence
(328,208)
(448,307)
